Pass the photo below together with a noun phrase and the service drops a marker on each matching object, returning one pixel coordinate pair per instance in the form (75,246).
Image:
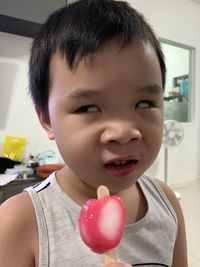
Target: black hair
(78,31)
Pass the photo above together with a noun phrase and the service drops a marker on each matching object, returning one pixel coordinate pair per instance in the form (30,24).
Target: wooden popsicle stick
(102,191)
(110,256)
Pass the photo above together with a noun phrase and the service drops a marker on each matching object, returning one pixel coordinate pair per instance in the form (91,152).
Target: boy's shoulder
(180,248)
(16,210)
(169,193)
(18,231)
(175,203)
(161,187)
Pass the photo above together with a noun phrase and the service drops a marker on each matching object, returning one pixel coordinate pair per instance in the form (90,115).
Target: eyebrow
(84,93)
(153,89)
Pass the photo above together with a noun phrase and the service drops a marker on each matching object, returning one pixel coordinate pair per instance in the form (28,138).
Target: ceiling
(196,1)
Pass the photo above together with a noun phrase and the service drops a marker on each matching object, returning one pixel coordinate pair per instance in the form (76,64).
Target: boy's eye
(145,104)
(88,109)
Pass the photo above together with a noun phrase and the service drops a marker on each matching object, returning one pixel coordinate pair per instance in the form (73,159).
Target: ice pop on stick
(101,223)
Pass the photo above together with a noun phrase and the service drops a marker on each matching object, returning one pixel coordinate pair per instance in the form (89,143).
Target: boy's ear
(45,122)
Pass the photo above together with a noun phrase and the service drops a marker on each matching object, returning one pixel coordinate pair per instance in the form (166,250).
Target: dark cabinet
(16,187)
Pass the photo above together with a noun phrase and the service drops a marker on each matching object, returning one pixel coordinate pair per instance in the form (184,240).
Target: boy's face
(107,114)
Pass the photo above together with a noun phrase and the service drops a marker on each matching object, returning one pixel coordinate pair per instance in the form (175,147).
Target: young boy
(97,76)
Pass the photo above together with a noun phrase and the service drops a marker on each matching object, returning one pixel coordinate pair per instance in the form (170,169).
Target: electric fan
(173,135)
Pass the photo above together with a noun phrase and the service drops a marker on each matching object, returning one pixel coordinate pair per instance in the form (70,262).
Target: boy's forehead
(113,46)
(88,70)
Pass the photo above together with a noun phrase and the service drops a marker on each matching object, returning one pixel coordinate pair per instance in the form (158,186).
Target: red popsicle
(101,223)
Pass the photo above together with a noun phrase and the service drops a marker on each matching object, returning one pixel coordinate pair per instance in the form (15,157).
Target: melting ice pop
(101,223)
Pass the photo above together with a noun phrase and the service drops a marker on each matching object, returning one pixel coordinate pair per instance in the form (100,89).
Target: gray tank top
(148,242)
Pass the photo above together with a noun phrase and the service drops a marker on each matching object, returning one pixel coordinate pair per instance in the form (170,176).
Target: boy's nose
(121,132)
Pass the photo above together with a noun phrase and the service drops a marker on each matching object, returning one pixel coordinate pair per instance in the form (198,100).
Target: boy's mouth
(121,167)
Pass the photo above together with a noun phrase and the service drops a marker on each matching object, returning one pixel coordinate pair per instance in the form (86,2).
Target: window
(178,96)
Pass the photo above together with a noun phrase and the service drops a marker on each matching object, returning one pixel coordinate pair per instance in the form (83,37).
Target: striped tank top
(148,242)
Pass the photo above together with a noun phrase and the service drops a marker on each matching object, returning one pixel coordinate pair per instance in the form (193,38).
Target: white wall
(17,115)
(178,20)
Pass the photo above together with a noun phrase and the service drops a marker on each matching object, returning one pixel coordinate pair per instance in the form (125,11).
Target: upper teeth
(120,162)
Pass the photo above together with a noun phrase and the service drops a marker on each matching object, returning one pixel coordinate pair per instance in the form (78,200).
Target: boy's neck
(134,200)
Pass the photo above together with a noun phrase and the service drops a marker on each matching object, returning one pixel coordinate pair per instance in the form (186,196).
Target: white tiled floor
(190,202)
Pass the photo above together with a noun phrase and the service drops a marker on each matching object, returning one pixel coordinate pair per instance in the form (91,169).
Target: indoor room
(176,24)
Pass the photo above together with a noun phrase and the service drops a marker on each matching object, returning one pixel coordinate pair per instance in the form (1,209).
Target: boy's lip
(121,166)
